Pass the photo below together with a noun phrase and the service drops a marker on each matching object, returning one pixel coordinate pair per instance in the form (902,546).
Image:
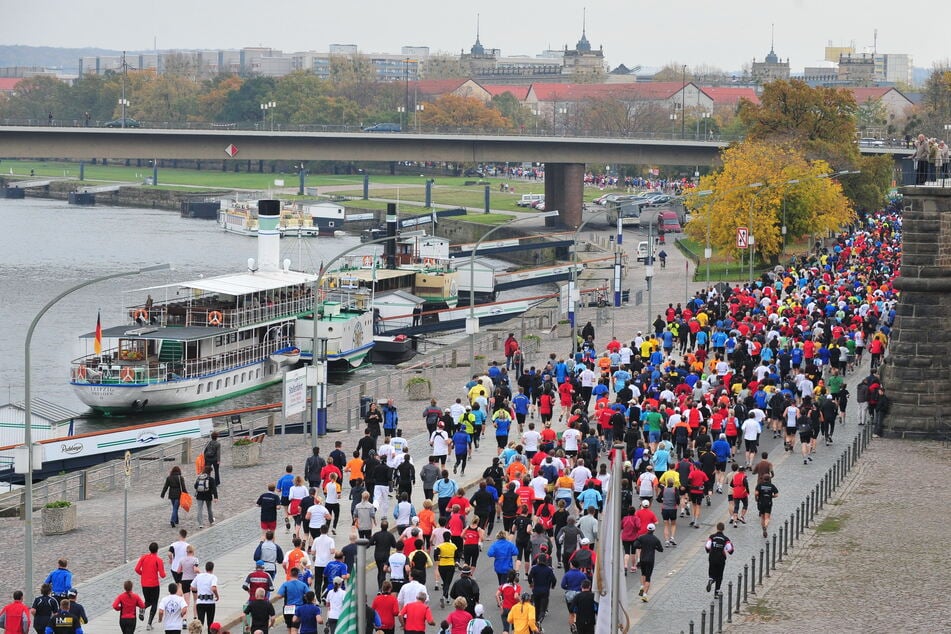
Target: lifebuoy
(81,372)
(215,318)
(141,315)
(368,260)
(127,374)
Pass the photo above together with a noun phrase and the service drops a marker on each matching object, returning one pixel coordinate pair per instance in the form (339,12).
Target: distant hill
(66,59)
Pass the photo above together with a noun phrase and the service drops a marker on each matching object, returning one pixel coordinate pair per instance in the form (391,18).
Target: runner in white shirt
(439,441)
(539,483)
(385,451)
(751,429)
(570,439)
(530,440)
(626,354)
(580,475)
(457,409)
(172,609)
(647,484)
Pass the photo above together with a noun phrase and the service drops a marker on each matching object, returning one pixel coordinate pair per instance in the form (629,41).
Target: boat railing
(212,314)
(227,360)
(108,369)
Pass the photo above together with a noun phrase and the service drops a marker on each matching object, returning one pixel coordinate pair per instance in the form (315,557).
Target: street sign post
(742,238)
(127,468)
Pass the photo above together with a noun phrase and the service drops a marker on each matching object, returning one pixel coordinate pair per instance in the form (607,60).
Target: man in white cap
(647,544)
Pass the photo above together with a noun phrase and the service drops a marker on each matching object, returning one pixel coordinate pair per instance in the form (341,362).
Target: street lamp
(264,108)
(319,351)
(419,108)
(28,411)
(673,119)
(402,111)
(564,128)
(683,103)
(123,104)
(573,279)
(472,323)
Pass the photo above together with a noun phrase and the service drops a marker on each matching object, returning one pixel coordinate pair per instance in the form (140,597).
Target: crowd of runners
(684,404)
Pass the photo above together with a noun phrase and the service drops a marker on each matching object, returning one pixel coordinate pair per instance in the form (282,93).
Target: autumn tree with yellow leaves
(814,203)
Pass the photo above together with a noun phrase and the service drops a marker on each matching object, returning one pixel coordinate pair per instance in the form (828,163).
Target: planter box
(245,455)
(564,330)
(419,391)
(59,521)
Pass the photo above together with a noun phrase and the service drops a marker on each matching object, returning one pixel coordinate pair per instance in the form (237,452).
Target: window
(199,388)
(218,384)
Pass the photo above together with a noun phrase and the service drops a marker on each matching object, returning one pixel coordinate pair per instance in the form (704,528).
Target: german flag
(97,346)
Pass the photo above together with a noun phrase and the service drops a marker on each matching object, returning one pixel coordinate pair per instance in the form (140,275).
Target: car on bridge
(870,142)
(384,127)
(117,123)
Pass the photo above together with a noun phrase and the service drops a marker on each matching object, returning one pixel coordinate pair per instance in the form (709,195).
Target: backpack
(202,484)
(861,392)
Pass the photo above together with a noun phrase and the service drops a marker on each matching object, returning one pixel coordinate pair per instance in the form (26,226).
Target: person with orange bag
(175,487)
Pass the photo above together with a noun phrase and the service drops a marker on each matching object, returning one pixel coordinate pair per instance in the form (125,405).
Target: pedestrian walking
(212,454)
(174,486)
(718,548)
(206,491)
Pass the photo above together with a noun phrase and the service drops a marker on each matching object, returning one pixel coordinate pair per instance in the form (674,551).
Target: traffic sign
(231,150)
(742,238)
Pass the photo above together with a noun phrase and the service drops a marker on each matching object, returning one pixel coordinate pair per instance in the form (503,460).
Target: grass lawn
(461,196)
(722,266)
(486,219)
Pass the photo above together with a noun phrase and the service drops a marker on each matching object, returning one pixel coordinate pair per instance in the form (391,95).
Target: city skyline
(726,35)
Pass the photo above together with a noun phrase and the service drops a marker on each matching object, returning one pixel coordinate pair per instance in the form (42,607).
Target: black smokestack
(390,245)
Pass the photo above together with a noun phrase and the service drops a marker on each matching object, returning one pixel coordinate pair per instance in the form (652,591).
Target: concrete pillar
(919,361)
(564,189)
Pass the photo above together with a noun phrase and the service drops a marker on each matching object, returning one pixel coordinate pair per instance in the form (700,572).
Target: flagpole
(361,585)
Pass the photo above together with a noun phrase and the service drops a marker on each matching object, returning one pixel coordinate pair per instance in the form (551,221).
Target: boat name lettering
(72,448)
(147,437)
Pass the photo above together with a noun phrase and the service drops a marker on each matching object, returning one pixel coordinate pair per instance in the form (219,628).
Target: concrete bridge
(564,157)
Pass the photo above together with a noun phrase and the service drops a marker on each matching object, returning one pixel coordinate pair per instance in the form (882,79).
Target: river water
(47,246)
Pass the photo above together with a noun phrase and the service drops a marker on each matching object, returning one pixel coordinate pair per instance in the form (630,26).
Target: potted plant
(564,328)
(59,517)
(418,388)
(245,452)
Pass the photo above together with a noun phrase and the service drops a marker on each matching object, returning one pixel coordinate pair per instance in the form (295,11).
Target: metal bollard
(691,626)
(720,613)
(712,606)
(782,540)
(703,621)
(774,551)
(761,565)
(746,576)
(767,560)
(739,583)
(798,523)
(729,602)
(787,540)
(753,574)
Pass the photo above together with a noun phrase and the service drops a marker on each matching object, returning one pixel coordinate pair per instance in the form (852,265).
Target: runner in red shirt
(17,615)
(126,605)
(150,569)
(416,615)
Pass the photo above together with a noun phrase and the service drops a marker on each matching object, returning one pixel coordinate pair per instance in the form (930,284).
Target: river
(48,246)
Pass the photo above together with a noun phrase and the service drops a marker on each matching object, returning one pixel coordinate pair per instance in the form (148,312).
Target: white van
(642,251)
(527,199)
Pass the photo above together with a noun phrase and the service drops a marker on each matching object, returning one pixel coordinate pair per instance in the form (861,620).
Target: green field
(723,267)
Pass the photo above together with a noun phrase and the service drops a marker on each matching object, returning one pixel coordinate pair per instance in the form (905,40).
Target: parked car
(117,123)
(527,199)
(384,127)
(474,172)
(870,142)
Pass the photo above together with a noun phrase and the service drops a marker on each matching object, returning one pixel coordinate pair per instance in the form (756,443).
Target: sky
(726,34)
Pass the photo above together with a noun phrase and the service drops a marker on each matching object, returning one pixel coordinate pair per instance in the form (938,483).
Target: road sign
(742,238)
(231,150)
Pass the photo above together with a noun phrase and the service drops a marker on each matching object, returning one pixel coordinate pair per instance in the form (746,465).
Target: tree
(814,204)
(244,105)
(513,110)
(36,97)
(214,96)
(821,120)
(871,118)
(672,71)
(451,111)
(444,66)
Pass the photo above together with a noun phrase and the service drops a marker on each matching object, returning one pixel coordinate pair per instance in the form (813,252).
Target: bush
(58,504)
(240,442)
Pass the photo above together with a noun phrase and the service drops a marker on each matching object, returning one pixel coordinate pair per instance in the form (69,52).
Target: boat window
(227,381)
(243,376)
(208,387)
(199,388)
(218,384)
(257,373)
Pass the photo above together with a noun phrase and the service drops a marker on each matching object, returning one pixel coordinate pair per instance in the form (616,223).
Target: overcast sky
(726,34)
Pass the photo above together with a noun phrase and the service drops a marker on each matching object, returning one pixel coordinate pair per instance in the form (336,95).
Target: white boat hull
(177,393)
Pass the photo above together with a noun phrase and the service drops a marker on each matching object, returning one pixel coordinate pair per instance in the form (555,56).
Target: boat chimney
(389,248)
(269,238)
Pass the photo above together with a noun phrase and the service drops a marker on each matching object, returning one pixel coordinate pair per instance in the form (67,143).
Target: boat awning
(367,275)
(237,284)
(187,333)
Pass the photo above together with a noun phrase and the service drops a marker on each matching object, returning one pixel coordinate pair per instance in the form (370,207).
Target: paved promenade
(95,548)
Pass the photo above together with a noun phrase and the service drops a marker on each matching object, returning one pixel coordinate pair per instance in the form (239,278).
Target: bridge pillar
(564,188)
(919,362)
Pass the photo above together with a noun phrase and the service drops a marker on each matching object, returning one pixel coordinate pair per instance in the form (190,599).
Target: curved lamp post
(28,411)
(318,394)
(472,324)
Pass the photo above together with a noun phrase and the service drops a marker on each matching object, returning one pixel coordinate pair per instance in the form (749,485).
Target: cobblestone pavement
(877,562)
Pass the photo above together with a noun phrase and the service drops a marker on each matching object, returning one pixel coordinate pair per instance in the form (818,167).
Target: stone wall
(919,362)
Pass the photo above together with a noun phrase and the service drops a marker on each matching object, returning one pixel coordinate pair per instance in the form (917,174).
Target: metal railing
(178,313)
(777,548)
(81,485)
